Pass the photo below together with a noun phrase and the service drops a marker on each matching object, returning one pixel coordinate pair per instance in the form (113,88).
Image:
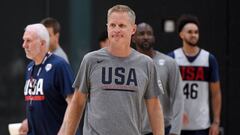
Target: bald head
(144,37)
(144,25)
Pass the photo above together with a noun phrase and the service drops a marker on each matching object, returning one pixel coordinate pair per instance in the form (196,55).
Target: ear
(134,38)
(181,35)
(43,42)
(57,35)
(134,28)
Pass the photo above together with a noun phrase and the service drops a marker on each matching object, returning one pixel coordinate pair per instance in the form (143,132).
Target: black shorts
(195,132)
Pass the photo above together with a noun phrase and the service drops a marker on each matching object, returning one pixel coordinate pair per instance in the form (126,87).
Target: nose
(24,44)
(194,34)
(145,36)
(117,29)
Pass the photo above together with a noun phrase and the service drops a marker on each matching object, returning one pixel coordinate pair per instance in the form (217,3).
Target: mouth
(146,46)
(26,51)
(117,36)
(194,40)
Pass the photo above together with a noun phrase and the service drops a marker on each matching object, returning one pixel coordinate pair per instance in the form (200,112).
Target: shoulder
(172,53)
(212,60)
(144,60)
(141,56)
(165,58)
(203,51)
(93,57)
(58,63)
(94,54)
(60,52)
(210,55)
(55,59)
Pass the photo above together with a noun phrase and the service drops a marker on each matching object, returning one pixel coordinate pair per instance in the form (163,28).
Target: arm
(68,100)
(155,115)
(215,91)
(176,98)
(73,114)
(216,107)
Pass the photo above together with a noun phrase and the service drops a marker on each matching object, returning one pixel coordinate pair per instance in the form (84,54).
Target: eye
(112,25)
(190,32)
(26,40)
(149,33)
(141,33)
(122,25)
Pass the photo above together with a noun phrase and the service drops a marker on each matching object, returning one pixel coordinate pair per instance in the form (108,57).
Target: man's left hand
(214,129)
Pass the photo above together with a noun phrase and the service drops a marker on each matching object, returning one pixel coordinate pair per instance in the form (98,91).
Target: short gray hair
(122,8)
(41,32)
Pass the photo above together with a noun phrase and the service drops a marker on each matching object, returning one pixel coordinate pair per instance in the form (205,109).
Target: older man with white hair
(48,88)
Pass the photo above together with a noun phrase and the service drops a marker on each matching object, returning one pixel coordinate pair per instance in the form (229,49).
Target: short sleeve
(154,87)
(64,78)
(214,70)
(82,79)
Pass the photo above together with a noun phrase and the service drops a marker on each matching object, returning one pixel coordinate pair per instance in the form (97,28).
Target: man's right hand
(185,119)
(23,130)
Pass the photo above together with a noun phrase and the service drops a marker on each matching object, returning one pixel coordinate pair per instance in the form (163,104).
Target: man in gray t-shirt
(172,97)
(113,83)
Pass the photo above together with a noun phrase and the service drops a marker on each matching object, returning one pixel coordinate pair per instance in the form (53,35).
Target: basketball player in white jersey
(199,70)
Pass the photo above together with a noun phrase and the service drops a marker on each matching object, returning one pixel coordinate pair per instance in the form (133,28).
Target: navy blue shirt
(47,85)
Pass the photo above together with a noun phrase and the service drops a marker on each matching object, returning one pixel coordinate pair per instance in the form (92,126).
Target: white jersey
(195,87)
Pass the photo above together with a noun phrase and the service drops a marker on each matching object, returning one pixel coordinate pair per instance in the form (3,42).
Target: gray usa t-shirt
(116,88)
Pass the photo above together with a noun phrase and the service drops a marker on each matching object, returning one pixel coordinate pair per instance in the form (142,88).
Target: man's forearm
(216,106)
(155,116)
(216,102)
(73,115)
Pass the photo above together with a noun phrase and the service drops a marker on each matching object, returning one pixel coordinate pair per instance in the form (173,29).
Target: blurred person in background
(54,28)
(172,97)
